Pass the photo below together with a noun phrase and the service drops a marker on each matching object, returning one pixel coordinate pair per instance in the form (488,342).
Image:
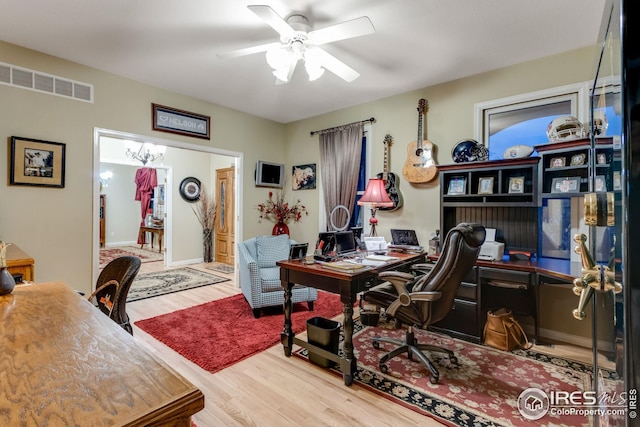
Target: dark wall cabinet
(500,194)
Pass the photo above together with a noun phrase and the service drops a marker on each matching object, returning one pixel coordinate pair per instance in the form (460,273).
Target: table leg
(286,337)
(349,363)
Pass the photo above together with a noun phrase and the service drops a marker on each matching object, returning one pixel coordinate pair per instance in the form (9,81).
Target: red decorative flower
(277,210)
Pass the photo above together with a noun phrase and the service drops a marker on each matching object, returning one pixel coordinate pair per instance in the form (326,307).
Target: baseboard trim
(585,342)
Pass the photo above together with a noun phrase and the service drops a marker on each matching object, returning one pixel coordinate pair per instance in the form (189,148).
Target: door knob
(594,277)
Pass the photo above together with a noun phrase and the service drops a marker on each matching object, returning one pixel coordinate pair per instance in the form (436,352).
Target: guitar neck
(385,169)
(420,136)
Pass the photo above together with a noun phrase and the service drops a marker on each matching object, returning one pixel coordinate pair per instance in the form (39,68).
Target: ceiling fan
(297,42)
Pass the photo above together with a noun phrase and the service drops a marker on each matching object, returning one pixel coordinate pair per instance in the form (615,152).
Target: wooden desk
(348,285)
(18,262)
(65,363)
(153,230)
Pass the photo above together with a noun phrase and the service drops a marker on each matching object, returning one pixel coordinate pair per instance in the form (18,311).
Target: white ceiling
(418,43)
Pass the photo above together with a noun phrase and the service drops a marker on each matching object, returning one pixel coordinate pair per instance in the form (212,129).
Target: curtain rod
(371,120)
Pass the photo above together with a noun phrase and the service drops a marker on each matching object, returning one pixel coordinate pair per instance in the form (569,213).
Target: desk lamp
(375,196)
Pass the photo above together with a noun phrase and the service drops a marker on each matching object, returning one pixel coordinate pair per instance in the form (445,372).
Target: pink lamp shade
(375,195)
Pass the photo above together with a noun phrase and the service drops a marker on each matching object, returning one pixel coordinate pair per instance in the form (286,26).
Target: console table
(19,262)
(348,285)
(66,363)
(153,230)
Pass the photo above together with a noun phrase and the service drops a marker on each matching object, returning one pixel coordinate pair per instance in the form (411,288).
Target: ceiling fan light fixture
(313,64)
(279,57)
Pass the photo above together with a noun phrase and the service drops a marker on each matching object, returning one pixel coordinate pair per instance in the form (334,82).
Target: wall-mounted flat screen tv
(269,174)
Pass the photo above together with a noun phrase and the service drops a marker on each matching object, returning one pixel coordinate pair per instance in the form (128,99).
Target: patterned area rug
(112,252)
(482,391)
(169,281)
(220,267)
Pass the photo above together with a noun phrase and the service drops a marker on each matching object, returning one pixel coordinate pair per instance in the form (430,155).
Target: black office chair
(419,301)
(112,289)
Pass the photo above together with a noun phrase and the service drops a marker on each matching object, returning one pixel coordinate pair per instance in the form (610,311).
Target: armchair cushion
(272,249)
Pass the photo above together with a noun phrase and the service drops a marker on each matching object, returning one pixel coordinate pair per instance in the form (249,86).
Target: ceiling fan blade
(274,20)
(346,30)
(248,50)
(336,66)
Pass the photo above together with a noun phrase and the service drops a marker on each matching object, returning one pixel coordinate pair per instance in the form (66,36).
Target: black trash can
(324,333)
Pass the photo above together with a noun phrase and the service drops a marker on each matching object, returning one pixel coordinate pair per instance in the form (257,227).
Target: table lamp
(375,196)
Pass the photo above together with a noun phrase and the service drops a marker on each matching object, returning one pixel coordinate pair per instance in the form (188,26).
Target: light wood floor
(269,389)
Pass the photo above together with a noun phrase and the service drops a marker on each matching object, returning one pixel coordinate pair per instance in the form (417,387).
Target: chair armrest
(415,296)
(426,296)
(390,275)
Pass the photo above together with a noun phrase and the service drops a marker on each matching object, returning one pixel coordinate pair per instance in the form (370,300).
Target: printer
(490,249)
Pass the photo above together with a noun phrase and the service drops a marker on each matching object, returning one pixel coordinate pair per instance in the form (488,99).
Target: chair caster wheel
(376,344)
(433,380)
(384,368)
(454,360)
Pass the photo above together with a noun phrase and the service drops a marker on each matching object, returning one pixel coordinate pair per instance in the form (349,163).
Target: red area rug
(482,391)
(220,333)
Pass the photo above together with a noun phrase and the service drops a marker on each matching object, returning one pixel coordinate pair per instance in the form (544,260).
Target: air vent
(29,79)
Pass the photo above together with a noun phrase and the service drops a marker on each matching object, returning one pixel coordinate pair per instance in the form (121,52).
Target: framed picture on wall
(36,162)
(303,177)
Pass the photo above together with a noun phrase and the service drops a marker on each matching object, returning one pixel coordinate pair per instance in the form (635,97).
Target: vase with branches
(205,211)
(278,210)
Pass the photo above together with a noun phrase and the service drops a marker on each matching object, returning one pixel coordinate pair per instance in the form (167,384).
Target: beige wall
(55,226)
(449,119)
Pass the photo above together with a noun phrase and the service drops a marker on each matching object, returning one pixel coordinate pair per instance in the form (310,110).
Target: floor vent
(29,79)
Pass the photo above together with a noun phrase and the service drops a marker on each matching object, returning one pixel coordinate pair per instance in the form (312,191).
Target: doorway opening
(182,231)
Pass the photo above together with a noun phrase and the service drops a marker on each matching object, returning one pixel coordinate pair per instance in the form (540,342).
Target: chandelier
(144,152)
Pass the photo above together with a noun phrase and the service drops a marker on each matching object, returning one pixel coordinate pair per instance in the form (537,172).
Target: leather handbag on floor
(502,331)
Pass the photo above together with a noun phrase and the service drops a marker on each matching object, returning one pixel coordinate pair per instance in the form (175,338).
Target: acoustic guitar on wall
(390,179)
(420,167)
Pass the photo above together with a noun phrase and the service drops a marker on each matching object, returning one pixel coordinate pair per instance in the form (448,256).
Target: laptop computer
(298,251)
(404,237)
(345,244)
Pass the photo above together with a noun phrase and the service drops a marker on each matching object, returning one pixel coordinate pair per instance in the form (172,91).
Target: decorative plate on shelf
(190,189)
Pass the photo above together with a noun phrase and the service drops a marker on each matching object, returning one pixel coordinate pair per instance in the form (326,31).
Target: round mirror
(332,218)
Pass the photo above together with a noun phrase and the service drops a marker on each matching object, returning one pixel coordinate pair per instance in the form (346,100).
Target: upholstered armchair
(421,300)
(260,276)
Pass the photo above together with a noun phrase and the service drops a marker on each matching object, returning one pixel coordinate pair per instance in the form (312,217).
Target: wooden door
(225,201)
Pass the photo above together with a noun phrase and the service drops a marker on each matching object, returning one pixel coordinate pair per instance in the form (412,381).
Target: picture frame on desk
(457,185)
(485,185)
(578,159)
(516,184)
(36,162)
(617,182)
(557,162)
(565,184)
(600,184)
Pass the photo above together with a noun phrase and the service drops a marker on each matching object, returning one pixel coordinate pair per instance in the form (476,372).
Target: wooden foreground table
(64,363)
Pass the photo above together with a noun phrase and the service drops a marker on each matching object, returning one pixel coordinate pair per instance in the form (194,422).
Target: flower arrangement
(276,209)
